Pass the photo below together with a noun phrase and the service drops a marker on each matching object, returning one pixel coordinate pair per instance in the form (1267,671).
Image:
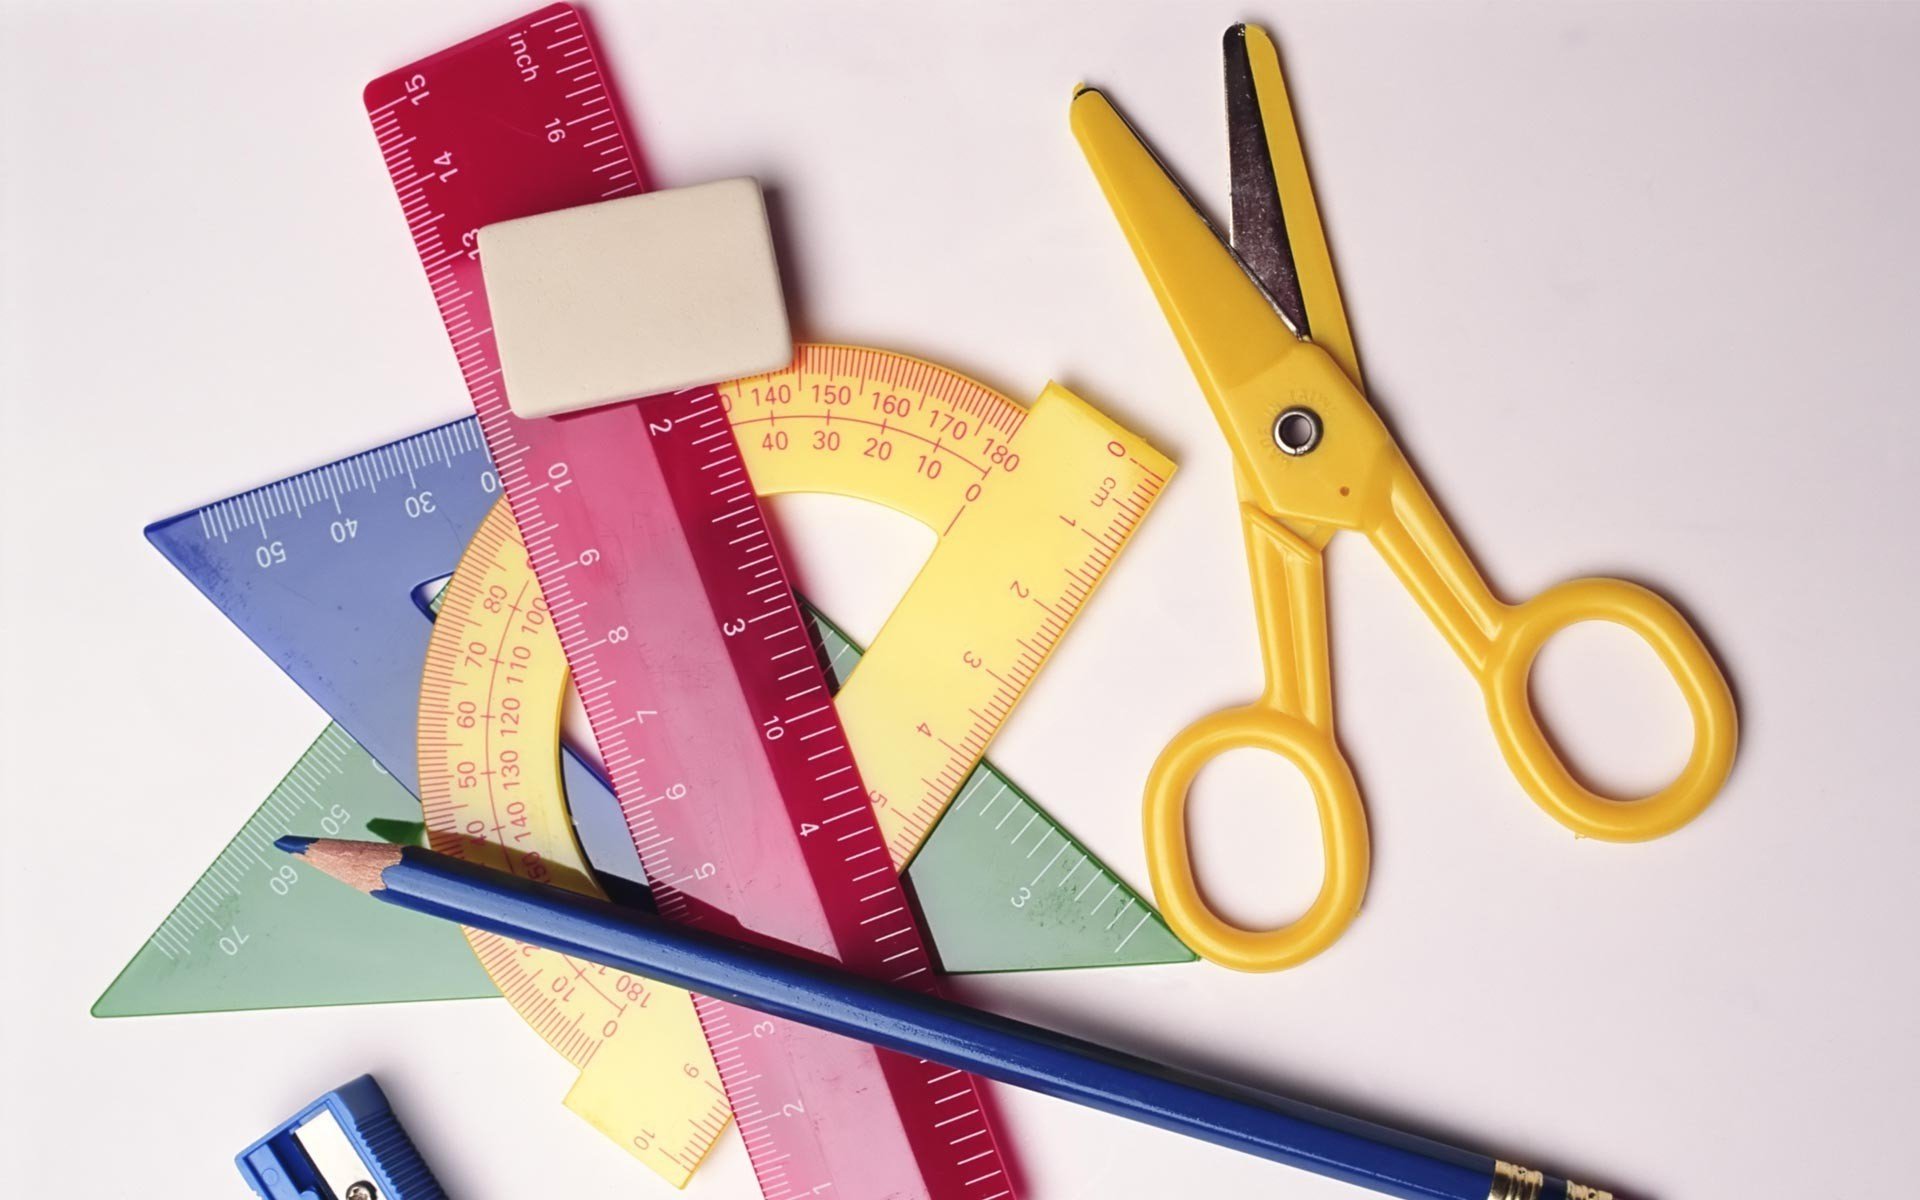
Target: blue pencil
(827,997)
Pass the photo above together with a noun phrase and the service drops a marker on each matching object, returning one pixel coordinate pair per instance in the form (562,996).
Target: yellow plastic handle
(1499,642)
(1525,628)
(1343,838)
(1294,720)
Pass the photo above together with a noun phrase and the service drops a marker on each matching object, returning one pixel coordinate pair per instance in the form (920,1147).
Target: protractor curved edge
(490,791)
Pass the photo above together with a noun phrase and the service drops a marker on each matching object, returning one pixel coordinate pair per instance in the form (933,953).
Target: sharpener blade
(346,1175)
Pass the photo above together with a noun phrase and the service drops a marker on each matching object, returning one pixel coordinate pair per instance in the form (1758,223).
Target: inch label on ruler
(621,530)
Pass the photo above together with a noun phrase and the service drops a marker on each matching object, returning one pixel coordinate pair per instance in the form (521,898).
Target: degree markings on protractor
(489,737)
(1030,507)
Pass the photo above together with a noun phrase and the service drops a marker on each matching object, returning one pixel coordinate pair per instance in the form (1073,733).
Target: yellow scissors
(1312,458)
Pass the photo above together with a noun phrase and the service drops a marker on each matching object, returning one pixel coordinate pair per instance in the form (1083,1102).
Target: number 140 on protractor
(1030,507)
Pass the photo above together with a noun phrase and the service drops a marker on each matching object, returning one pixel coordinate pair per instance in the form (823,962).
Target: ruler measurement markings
(558,588)
(489,635)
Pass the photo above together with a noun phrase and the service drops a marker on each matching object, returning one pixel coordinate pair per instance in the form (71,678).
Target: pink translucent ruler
(710,709)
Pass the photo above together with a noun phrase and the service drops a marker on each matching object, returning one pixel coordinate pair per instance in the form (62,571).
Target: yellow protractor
(1030,508)
(489,746)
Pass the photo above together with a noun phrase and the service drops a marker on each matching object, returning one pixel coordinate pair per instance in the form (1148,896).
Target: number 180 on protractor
(1030,507)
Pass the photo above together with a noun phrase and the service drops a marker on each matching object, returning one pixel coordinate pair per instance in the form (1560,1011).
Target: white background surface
(1634,284)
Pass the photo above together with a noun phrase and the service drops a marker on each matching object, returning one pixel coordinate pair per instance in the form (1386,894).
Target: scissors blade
(1259,223)
(1231,332)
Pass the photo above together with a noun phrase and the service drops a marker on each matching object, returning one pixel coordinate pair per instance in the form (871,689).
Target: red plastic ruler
(679,624)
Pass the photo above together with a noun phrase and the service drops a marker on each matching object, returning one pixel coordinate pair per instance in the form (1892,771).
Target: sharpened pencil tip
(356,864)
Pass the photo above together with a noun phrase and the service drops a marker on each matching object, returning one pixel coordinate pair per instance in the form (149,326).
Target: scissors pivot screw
(1297,431)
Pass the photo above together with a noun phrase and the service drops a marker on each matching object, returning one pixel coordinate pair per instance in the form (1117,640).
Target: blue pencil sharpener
(347,1145)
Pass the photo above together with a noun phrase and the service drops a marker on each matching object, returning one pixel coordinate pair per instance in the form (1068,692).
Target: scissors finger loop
(1532,757)
(1343,835)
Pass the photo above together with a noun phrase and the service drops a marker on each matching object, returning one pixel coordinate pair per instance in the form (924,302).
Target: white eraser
(630,297)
